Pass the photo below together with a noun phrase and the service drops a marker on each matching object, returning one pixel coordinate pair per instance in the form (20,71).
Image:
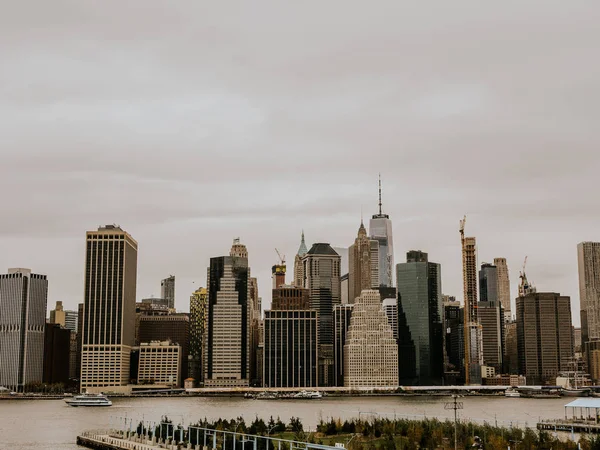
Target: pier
(166,436)
(581,416)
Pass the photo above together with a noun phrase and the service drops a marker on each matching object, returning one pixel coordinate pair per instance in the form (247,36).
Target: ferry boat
(308,395)
(89,400)
(511,392)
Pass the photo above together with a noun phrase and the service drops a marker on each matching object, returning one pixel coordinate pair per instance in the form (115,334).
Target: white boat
(513,393)
(89,400)
(309,394)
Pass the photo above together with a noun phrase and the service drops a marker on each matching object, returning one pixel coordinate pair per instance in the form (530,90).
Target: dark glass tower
(420,327)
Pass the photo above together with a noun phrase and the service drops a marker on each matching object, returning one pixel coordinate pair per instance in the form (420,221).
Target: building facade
(160,363)
(491,318)
(503,288)
(167,291)
(363,271)
(23,299)
(370,351)
(341,316)
(390,307)
(173,328)
(57,354)
(227,337)
(109,308)
(198,315)
(454,338)
(321,276)
(420,300)
(544,336)
(588,258)
(290,357)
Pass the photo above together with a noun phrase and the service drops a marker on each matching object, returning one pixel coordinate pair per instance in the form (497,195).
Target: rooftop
(322,249)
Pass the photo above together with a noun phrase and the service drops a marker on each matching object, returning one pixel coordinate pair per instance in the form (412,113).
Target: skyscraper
(420,301)
(491,318)
(544,336)
(454,339)
(64,318)
(503,288)
(370,352)
(380,228)
(290,340)
(109,308)
(363,263)
(227,336)
(341,320)
(588,257)
(57,354)
(198,310)
(23,298)
(167,291)
(298,280)
(473,350)
(321,275)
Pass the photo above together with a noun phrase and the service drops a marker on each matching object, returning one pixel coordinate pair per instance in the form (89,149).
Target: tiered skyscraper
(321,276)
(23,299)
(227,337)
(473,350)
(503,287)
(109,308)
(380,228)
(363,263)
(370,352)
(420,304)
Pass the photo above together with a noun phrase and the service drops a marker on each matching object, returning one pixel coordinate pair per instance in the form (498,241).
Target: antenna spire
(380,194)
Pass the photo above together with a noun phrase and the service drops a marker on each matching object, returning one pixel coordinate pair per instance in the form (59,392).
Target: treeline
(374,434)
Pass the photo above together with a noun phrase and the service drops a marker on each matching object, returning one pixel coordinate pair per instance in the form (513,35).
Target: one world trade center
(380,229)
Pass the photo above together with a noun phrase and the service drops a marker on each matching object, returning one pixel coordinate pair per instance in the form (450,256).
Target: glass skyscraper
(420,327)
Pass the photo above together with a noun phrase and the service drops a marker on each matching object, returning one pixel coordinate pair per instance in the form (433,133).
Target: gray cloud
(194,123)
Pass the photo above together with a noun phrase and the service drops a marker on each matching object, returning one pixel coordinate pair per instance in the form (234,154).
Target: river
(52,425)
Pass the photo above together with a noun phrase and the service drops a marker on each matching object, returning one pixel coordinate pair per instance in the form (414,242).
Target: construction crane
(281,258)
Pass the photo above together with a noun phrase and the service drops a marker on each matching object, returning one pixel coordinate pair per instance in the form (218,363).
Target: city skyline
(200,100)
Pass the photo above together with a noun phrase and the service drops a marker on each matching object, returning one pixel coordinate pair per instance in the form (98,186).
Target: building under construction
(473,331)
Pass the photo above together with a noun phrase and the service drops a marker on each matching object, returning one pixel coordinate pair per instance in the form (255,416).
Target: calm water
(51,424)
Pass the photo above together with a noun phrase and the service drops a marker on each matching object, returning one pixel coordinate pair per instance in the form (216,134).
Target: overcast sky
(191,123)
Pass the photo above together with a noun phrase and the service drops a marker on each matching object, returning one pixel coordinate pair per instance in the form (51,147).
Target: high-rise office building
(255,319)
(341,318)
(172,327)
(588,257)
(167,291)
(491,318)
(363,264)
(511,349)
(198,311)
(454,338)
(109,308)
(472,334)
(57,354)
(503,288)
(298,277)
(160,363)
(544,336)
(321,275)
(380,229)
(65,318)
(420,301)
(370,352)
(79,340)
(488,283)
(390,307)
(23,299)
(227,337)
(290,357)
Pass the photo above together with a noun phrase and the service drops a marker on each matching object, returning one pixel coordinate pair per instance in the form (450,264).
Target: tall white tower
(380,229)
